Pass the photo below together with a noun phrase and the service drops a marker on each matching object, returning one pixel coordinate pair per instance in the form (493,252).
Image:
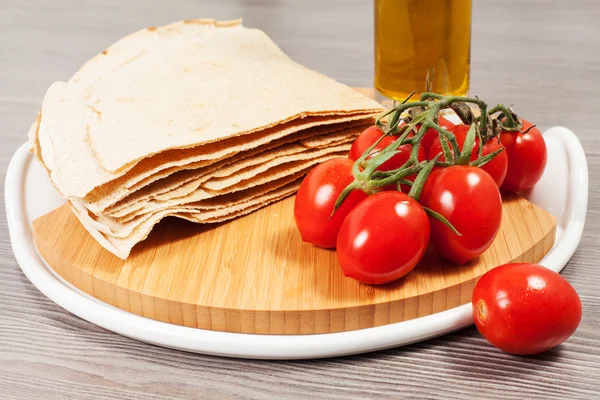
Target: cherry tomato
(316,198)
(370,136)
(431,133)
(383,238)
(366,140)
(497,167)
(524,308)
(526,157)
(470,200)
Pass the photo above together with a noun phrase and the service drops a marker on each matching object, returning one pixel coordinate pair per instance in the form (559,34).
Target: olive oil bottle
(414,38)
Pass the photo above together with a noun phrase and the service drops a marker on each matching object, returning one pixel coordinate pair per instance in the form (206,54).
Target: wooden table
(542,56)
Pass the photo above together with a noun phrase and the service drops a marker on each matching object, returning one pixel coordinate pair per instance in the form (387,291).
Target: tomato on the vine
(370,136)
(496,167)
(383,238)
(316,199)
(470,200)
(527,157)
(524,308)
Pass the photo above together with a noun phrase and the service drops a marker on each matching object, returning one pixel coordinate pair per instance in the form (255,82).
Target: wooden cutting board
(255,275)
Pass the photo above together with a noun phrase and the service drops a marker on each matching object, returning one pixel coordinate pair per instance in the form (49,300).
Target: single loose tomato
(370,136)
(524,308)
(527,157)
(431,133)
(316,199)
(470,200)
(497,167)
(383,238)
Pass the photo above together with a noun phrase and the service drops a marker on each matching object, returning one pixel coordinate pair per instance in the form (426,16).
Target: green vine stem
(442,219)
(507,118)
(417,187)
(467,151)
(410,122)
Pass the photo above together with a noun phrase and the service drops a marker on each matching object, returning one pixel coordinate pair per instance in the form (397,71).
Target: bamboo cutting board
(255,275)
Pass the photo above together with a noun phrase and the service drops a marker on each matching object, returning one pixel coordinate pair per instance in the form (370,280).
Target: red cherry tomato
(524,308)
(370,136)
(383,238)
(366,140)
(316,198)
(497,167)
(431,133)
(469,198)
(526,157)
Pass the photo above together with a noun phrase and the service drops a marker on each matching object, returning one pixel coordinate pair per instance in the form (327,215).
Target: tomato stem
(401,173)
(442,219)
(467,150)
(417,187)
(509,120)
(343,195)
(480,162)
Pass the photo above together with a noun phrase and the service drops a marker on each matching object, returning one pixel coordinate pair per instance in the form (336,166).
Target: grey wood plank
(543,56)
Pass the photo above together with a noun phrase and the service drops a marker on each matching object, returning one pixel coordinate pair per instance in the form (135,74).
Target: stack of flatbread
(201,120)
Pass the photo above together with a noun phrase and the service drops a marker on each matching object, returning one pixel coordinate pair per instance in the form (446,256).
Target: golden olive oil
(417,37)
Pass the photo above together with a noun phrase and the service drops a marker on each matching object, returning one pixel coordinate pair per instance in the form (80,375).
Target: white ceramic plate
(563,190)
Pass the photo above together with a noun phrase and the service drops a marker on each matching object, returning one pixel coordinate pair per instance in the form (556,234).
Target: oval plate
(563,190)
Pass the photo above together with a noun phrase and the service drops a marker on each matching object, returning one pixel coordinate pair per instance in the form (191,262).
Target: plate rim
(264,346)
